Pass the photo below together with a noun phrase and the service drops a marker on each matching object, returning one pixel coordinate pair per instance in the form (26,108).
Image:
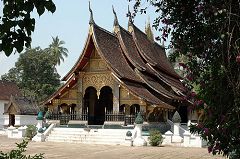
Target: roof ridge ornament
(91,21)
(130,21)
(115,18)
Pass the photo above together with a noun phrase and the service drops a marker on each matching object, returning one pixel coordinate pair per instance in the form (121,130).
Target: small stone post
(40,136)
(39,120)
(47,116)
(176,120)
(10,131)
(168,138)
(139,140)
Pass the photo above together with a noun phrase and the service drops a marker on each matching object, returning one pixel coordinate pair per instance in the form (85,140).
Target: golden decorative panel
(97,80)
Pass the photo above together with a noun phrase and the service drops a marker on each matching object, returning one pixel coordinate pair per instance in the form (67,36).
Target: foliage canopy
(17,24)
(34,73)
(207,34)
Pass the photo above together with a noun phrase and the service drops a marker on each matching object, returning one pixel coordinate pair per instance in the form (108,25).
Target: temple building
(20,111)
(117,75)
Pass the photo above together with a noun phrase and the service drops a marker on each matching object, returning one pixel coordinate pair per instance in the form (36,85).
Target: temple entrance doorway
(90,102)
(105,102)
(97,107)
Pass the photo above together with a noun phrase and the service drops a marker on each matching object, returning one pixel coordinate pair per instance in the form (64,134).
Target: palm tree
(57,51)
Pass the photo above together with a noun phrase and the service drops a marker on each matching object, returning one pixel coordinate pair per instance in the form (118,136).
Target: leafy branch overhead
(17,24)
(206,34)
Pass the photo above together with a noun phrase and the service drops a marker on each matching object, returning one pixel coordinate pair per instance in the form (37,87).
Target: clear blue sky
(70,23)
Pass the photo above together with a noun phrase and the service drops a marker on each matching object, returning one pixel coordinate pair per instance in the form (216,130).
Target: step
(94,135)
(88,137)
(107,142)
(102,143)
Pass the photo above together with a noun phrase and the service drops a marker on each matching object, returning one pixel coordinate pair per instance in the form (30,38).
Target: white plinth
(177,139)
(39,137)
(39,124)
(139,140)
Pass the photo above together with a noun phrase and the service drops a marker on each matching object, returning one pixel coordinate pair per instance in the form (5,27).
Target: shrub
(18,153)
(31,131)
(155,138)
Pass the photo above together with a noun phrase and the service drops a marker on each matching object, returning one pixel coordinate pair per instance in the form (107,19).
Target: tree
(207,33)
(13,75)
(35,73)
(17,25)
(57,51)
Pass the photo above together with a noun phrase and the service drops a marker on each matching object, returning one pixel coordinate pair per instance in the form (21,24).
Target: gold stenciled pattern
(97,80)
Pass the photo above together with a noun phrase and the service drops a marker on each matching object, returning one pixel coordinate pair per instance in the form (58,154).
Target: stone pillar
(176,120)
(139,140)
(80,92)
(40,120)
(176,129)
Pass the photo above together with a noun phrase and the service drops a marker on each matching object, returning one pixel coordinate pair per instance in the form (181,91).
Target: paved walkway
(53,150)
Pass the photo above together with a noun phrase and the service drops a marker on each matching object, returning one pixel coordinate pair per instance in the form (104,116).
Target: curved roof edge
(76,65)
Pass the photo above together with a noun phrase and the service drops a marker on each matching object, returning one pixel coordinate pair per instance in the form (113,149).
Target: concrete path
(53,150)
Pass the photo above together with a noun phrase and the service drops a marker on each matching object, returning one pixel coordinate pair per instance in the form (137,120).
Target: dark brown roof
(23,105)
(130,50)
(153,53)
(7,89)
(143,93)
(110,50)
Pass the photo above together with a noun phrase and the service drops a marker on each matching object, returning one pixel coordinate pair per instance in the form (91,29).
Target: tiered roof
(139,64)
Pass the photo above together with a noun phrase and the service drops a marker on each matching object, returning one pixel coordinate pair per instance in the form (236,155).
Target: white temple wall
(2,103)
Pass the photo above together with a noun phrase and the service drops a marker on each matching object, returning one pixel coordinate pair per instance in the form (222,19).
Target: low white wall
(2,103)
(21,120)
(6,120)
(1,122)
(13,132)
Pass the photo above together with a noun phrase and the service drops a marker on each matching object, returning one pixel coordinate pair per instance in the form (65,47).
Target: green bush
(18,153)
(155,138)
(31,131)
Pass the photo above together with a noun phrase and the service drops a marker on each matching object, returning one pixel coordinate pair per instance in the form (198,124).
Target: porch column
(80,93)
(116,98)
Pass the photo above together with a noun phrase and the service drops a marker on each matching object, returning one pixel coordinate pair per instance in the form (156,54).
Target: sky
(70,24)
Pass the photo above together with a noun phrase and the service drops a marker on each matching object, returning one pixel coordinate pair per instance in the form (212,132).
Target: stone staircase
(88,135)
